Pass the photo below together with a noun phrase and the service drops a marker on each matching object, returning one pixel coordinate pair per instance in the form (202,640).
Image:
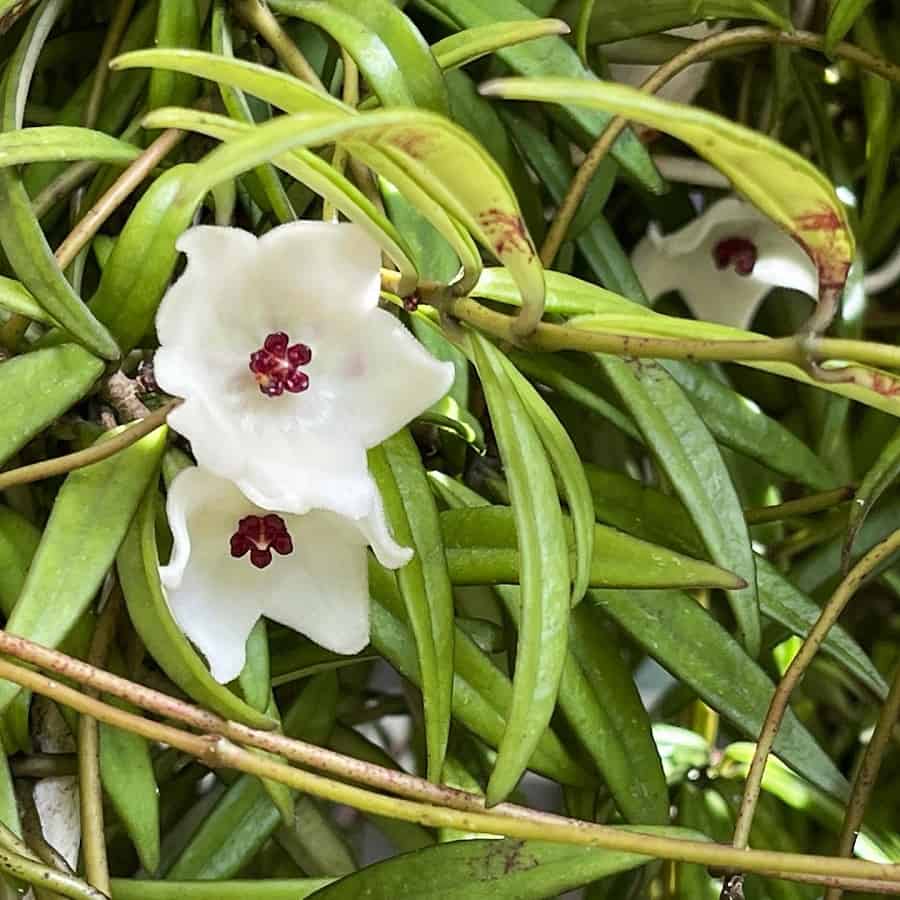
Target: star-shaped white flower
(723,263)
(233,561)
(288,369)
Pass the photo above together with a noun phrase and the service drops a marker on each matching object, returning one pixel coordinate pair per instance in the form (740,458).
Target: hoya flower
(233,561)
(723,263)
(288,369)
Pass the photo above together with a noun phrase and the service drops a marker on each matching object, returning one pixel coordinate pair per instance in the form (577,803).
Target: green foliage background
(604,488)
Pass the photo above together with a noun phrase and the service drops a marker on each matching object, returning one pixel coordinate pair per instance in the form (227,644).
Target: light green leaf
(89,521)
(544,574)
(424,581)
(36,388)
(466,46)
(782,184)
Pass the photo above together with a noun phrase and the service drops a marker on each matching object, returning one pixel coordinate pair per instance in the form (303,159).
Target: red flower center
(736,252)
(276,365)
(259,536)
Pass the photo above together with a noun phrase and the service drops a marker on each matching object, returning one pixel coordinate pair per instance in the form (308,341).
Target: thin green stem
(117,26)
(866,776)
(120,190)
(723,41)
(218,751)
(549,337)
(90,788)
(60,465)
(44,765)
(780,699)
(259,17)
(804,506)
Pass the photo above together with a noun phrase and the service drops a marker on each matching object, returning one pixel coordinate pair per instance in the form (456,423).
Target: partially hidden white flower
(288,369)
(233,561)
(723,263)
(684,86)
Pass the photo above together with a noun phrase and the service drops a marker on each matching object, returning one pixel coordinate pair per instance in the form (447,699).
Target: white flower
(288,369)
(684,86)
(233,561)
(723,263)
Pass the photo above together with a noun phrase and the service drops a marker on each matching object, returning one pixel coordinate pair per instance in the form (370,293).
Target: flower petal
(320,587)
(685,261)
(323,586)
(215,598)
(384,378)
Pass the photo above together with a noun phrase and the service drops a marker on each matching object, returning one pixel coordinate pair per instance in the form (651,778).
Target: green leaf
(323,179)
(550,56)
(21,236)
(782,184)
(424,581)
(177,25)
(138,568)
(544,574)
(451,168)
(841,18)
(19,540)
(493,868)
(62,143)
(686,452)
(466,46)
(15,299)
(782,602)
(482,694)
(88,523)
(682,636)
(126,769)
(568,469)
(881,475)
(388,48)
(245,817)
(266,889)
(738,423)
(239,110)
(598,697)
(620,19)
(36,388)
(481,549)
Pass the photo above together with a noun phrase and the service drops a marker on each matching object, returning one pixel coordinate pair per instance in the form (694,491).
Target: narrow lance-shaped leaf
(686,640)
(841,17)
(781,183)
(878,479)
(685,450)
(424,581)
(90,518)
(60,143)
(550,56)
(541,649)
(598,697)
(21,236)
(466,46)
(384,43)
(567,466)
(451,167)
(38,387)
(527,870)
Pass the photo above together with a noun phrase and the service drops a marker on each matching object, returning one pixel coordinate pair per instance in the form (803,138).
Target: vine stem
(215,749)
(259,17)
(120,190)
(723,41)
(90,789)
(803,506)
(866,776)
(549,337)
(795,673)
(114,35)
(60,465)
